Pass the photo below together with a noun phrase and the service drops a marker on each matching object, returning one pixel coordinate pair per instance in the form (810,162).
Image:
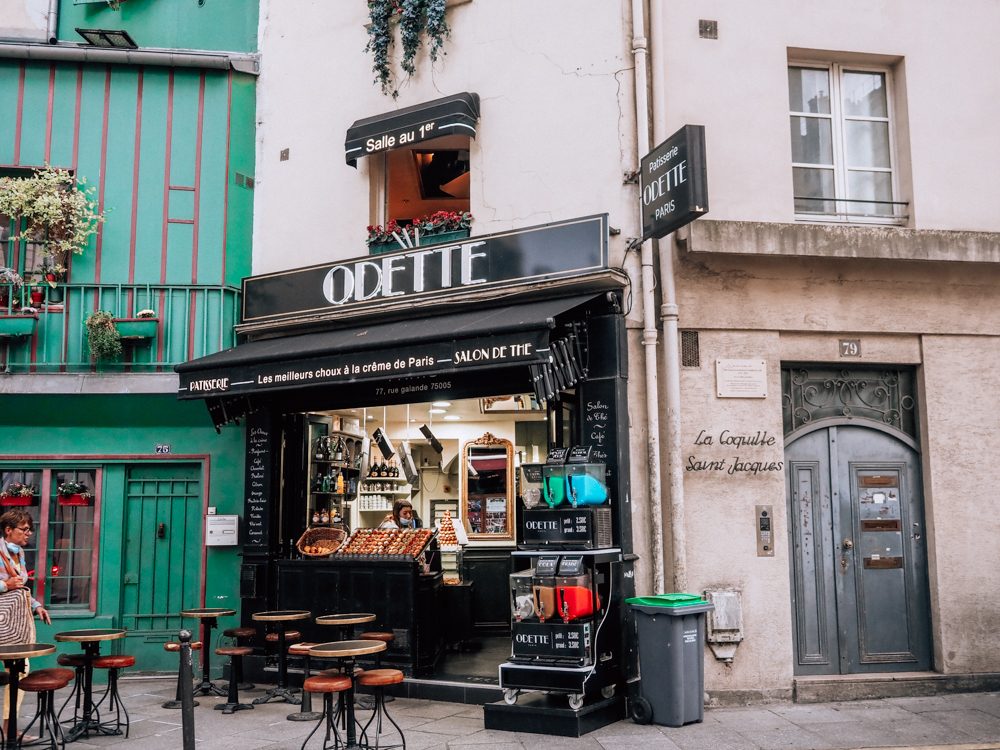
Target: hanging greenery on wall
(414,17)
(58,208)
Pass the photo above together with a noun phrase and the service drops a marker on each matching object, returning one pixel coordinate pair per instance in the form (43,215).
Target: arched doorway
(858,548)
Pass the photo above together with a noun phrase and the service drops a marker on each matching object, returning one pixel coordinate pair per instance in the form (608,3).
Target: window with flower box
(64,531)
(420,195)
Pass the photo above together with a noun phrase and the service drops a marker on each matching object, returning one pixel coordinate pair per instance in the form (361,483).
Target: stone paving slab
(942,722)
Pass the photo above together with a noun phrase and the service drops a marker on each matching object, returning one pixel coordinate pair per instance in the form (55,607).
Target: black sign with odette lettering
(565,248)
(674,183)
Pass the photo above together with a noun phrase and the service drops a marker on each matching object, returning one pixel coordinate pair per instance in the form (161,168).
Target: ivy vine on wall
(414,17)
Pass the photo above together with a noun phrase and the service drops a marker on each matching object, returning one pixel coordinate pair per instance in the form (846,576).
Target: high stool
(236,654)
(79,663)
(236,634)
(175,646)
(378,679)
(113,664)
(45,682)
(305,713)
(282,637)
(328,686)
(386,638)
(340,713)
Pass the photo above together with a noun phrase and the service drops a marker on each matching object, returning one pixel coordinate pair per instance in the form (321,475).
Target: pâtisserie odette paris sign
(674,183)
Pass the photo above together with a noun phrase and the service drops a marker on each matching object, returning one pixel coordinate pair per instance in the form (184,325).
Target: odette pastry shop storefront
(485,382)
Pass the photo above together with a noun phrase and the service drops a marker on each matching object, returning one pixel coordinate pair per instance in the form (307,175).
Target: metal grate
(708,29)
(690,351)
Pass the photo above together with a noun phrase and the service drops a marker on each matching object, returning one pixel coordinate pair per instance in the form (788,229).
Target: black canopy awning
(452,115)
(237,380)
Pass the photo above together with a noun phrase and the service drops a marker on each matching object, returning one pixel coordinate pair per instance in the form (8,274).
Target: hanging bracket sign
(674,183)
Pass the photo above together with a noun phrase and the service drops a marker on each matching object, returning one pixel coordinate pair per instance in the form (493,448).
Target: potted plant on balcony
(10,288)
(73,493)
(36,290)
(19,323)
(57,208)
(140,329)
(54,274)
(103,338)
(17,494)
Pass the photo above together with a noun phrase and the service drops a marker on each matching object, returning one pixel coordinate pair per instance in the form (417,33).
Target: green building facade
(167,142)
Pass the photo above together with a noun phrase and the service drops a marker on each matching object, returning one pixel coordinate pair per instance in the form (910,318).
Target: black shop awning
(237,381)
(452,115)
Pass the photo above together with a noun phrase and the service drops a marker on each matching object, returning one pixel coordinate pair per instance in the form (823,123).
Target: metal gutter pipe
(245,63)
(52,23)
(669,313)
(648,311)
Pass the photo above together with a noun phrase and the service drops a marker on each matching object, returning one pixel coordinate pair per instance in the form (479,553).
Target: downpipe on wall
(649,335)
(669,314)
(52,22)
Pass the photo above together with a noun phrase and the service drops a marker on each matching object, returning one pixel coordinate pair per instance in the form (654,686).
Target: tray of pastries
(386,543)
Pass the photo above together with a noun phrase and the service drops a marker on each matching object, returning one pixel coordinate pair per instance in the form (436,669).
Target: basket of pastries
(321,541)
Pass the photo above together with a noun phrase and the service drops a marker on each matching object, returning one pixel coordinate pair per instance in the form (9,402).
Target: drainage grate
(690,352)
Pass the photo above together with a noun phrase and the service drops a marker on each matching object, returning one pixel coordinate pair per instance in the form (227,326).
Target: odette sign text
(674,183)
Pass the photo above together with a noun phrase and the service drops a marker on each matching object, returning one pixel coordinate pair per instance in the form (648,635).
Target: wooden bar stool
(377,679)
(113,664)
(235,654)
(45,682)
(339,715)
(79,663)
(387,639)
(175,646)
(236,634)
(328,686)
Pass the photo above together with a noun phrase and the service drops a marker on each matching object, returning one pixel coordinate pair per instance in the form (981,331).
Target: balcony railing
(192,321)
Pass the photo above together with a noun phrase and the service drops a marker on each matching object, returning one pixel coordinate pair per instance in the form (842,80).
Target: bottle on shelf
(338,451)
(315,517)
(324,517)
(340,483)
(319,455)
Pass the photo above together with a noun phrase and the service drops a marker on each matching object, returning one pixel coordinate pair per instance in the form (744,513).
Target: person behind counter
(401,516)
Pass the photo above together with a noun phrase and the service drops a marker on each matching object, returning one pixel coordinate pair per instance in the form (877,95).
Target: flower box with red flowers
(436,229)
(17,494)
(73,493)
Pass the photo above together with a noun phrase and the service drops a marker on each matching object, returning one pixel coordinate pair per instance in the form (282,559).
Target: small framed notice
(741,378)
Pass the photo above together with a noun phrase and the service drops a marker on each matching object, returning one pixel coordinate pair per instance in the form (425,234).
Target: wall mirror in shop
(488,488)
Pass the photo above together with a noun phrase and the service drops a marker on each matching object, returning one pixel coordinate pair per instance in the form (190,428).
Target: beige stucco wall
(737,87)
(961,446)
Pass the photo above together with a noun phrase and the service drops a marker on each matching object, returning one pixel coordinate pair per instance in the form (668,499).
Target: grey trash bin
(671,633)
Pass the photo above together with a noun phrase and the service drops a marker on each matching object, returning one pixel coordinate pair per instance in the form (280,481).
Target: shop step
(853,687)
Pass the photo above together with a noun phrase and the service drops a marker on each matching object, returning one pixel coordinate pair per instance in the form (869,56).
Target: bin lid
(667,600)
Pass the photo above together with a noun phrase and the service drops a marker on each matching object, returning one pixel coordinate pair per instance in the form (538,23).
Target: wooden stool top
(323,684)
(72,660)
(282,615)
(347,618)
(176,646)
(239,632)
(375,677)
(234,650)
(47,679)
(301,649)
(114,661)
(384,637)
(290,635)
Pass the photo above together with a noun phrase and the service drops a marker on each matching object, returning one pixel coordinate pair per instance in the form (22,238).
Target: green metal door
(162,559)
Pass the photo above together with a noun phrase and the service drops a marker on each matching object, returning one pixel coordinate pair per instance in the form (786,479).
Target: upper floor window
(843,164)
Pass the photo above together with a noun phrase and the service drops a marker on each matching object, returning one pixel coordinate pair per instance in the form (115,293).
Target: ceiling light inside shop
(441,403)
(452,418)
(370,416)
(437,411)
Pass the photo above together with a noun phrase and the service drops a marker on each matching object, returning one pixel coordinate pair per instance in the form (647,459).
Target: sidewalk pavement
(960,722)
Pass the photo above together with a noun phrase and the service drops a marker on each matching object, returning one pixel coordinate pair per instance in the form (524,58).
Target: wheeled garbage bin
(671,634)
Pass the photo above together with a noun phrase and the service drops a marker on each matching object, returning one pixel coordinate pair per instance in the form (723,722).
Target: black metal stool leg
(114,704)
(232,704)
(282,691)
(77,696)
(205,686)
(306,713)
(176,702)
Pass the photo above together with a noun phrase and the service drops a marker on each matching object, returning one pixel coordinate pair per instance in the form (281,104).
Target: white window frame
(893,214)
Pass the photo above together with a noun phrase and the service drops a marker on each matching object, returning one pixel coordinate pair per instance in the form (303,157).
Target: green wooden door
(162,559)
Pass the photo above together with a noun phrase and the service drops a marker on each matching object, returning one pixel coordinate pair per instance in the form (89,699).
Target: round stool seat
(374,677)
(290,635)
(234,650)
(240,632)
(300,649)
(47,679)
(175,646)
(338,672)
(72,660)
(384,637)
(114,662)
(331,684)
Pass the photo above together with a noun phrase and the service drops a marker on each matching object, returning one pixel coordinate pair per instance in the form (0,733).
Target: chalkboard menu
(599,425)
(257,503)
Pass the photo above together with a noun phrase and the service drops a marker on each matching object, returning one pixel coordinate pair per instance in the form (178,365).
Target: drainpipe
(648,312)
(52,24)
(669,315)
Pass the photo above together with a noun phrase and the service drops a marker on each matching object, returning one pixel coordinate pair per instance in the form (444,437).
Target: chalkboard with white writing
(257,504)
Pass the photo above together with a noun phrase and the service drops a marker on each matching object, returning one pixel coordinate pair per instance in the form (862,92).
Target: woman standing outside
(17,605)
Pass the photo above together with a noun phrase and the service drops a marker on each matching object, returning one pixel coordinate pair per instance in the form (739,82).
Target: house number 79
(850,347)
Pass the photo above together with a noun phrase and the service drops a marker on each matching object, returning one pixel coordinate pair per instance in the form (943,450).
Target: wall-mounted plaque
(741,378)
